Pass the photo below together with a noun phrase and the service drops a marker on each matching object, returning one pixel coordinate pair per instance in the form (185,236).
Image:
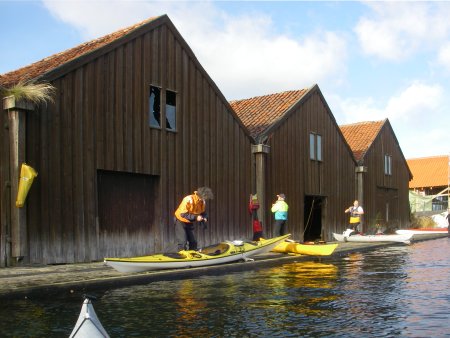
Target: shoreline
(83,278)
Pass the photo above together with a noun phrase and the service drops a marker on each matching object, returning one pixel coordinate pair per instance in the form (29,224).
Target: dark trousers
(184,232)
(354,226)
(279,227)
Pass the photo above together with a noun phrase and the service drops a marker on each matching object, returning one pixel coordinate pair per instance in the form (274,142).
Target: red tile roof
(43,66)
(258,113)
(360,136)
(429,172)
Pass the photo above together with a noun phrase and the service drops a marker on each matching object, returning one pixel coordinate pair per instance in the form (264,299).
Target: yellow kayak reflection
(305,274)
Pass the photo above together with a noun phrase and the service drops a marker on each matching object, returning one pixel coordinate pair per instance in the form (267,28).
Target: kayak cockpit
(215,250)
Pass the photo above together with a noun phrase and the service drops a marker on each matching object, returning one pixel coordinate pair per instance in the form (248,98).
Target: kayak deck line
(220,253)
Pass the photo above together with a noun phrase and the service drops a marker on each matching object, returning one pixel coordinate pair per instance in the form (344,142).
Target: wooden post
(17,130)
(260,151)
(360,170)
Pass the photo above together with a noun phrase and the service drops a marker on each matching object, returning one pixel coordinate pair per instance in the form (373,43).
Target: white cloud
(242,54)
(416,115)
(444,56)
(415,102)
(247,59)
(395,30)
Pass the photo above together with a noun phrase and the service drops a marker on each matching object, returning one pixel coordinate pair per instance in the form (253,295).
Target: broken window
(171,110)
(154,118)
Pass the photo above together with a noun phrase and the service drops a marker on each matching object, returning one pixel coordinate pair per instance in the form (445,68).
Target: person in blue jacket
(280,210)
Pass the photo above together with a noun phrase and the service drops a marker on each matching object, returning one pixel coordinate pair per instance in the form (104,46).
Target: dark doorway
(313,218)
(126,207)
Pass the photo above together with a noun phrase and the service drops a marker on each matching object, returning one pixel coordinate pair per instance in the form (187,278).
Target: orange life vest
(191,204)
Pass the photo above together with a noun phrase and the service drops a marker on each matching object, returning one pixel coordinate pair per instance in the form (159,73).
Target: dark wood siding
(382,192)
(99,121)
(290,170)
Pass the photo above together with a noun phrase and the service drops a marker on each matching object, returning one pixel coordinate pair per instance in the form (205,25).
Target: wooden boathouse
(382,174)
(136,124)
(300,151)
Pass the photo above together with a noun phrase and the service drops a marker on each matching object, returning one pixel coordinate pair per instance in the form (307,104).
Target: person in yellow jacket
(191,209)
(280,210)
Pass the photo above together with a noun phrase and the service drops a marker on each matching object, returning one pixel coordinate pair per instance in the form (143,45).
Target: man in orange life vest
(191,209)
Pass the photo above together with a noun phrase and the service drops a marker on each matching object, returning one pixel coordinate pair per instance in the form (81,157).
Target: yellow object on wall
(27,175)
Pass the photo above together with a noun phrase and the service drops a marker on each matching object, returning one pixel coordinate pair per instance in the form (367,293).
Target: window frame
(315,147)
(167,111)
(151,111)
(312,146)
(172,115)
(387,165)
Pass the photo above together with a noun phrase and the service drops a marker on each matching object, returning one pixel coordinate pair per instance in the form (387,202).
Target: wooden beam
(16,110)
(260,152)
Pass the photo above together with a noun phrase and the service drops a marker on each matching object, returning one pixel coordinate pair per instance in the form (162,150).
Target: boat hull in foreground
(305,249)
(221,253)
(88,325)
(405,238)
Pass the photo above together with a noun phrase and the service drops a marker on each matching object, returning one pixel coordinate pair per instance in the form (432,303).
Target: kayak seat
(215,250)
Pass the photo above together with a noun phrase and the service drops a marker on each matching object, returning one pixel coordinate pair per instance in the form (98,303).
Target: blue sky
(372,60)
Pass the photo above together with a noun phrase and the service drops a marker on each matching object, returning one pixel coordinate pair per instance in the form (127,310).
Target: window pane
(154,118)
(387,165)
(312,151)
(390,165)
(171,111)
(319,148)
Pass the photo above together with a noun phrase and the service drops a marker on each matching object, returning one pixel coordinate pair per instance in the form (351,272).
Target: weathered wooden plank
(93,81)
(63,155)
(109,121)
(119,107)
(76,235)
(138,111)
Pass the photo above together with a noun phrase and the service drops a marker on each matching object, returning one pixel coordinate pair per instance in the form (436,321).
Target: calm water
(399,291)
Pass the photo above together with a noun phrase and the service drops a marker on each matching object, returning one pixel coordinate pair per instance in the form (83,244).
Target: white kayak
(422,231)
(346,237)
(88,325)
(221,253)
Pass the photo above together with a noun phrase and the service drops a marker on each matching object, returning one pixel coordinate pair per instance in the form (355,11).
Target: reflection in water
(397,291)
(189,306)
(298,287)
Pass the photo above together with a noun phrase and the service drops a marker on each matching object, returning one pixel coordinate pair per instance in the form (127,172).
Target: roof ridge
(360,123)
(269,95)
(44,64)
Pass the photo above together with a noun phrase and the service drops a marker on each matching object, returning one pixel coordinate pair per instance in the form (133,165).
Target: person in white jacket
(280,209)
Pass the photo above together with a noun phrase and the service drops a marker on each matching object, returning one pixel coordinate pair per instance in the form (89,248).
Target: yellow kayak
(305,249)
(224,252)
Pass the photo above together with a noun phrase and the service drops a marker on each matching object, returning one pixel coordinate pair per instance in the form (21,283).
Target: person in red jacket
(191,209)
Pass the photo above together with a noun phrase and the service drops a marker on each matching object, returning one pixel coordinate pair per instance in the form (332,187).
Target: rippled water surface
(397,291)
